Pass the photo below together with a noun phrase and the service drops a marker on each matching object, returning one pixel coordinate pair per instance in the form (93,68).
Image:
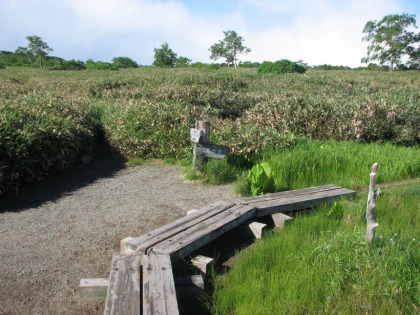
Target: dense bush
(40,135)
(149,111)
(249,64)
(124,62)
(70,65)
(280,66)
(330,67)
(100,65)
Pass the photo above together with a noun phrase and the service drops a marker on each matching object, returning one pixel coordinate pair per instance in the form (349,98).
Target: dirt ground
(68,227)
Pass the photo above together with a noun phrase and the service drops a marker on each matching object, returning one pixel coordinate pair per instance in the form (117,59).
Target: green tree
(37,48)
(182,62)
(164,57)
(23,54)
(124,62)
(390,40)
(229,48)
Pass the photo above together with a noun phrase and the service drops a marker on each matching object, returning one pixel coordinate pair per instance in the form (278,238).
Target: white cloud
(320,33)
(317,31)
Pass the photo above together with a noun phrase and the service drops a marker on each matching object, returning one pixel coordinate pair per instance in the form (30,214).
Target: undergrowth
(147,112)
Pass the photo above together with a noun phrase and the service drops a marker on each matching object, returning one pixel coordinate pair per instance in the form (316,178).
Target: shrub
(280,66)
(70,65)
(262,179)
(42,135)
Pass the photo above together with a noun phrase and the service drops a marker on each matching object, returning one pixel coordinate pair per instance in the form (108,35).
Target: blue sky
(315,31)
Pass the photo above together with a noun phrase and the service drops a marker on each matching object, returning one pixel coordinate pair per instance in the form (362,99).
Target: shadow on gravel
(105,163)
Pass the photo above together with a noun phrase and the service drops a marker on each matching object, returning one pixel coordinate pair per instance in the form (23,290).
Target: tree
(164,57)
(182,61)
(229,48)
(124,62)
(36,48)
(23,54)
(390,39)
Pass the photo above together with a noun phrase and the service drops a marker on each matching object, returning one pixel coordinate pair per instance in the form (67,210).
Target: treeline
(13,59)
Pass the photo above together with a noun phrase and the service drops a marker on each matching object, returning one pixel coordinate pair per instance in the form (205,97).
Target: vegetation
(147,112)
(321,264)
(124,62)
(261,179)
(390,40)
(280,66)
(164,57)
(37,49)
(229,48)
(313,162)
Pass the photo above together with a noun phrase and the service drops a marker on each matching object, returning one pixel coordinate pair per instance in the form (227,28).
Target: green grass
(319,264)
(313,163)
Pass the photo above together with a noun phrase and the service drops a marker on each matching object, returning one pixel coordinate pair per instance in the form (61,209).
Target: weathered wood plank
(279,219)
(148,240)
(123,295)
(257,229)
(203,263)
(285,205)
(159,295)
(204,137)
(211,150)
(287,194)
(93,290)
(123,246)
(182,244)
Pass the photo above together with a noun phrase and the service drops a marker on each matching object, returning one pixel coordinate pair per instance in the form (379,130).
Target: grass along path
(321,263)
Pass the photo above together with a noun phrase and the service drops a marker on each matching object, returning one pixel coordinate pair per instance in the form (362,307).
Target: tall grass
(319,264)
(313,163)
(147,112)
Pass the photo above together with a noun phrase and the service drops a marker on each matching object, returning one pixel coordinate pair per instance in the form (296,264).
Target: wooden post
(279,219)
(204,137)
(203,263)
(371,205)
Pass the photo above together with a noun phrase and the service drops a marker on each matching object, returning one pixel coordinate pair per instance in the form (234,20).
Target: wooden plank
(203,263)
(279,219)
(159,295)
(148,240)
(182,244)
(93,290)
(123,246)
(286,194)
(123,295)
(284,205)
(257,229)
(211,150)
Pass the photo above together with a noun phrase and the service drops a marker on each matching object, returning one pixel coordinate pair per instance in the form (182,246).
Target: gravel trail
(68,227)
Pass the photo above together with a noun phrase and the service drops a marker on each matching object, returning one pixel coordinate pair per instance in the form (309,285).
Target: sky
(315,31)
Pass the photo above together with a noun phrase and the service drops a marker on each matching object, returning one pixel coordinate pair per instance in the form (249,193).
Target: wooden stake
(204,130)
(279,219)
(371,205)
(203,263)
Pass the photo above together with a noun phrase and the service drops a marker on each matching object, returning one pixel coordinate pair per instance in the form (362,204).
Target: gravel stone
(68,227)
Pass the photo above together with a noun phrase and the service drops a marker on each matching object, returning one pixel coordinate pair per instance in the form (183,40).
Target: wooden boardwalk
(142,281)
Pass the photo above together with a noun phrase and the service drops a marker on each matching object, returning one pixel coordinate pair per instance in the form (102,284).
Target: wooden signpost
(203,149)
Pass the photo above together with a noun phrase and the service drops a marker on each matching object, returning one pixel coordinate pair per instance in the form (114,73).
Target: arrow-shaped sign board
(211,150)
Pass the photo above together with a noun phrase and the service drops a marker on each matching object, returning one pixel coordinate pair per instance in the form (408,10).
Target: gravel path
(68,228)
